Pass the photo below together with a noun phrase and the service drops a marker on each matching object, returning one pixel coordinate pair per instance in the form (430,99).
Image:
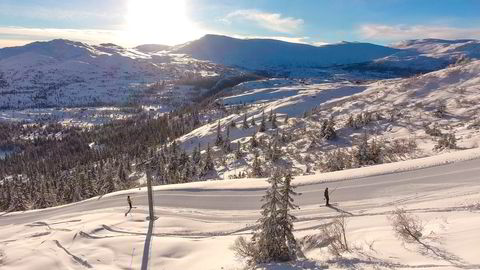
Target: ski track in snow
(195,224)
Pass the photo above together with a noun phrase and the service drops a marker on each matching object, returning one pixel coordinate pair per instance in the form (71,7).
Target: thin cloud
(15,36)
(270,21)
(402,32)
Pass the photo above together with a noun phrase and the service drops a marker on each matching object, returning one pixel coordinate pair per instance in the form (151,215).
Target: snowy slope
(152,48)
(199,221)
(401,109)
(439,47)
(431,54)
(266,53)
(67,73)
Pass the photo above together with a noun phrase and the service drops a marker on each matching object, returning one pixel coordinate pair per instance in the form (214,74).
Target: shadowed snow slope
(266,53)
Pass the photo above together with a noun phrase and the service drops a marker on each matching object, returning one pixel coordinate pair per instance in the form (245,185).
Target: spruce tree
(122,175)
(239,153)
(329,131)
(274,121)
(46,198)
(286,219)
(350,122)
(219,139)
(18,202)
(268,235)
(252,121)
(358,121)
(245,123)
(208,164)
(263,125)
(253,141)
(226,143)
(196,156)
(257,170)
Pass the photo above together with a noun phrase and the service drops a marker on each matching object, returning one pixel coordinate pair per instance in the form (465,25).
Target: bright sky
(170,22)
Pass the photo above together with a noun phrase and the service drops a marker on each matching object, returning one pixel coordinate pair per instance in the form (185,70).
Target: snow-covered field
(198,223)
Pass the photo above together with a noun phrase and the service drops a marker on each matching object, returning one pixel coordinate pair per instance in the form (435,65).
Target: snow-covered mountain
(268,53)
(430,54)
(67,73)
(404,58)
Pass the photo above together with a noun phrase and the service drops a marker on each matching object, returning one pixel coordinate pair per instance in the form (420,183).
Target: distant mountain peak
(152,48)
(270,53)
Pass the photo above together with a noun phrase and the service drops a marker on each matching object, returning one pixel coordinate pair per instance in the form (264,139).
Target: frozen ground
(198,222)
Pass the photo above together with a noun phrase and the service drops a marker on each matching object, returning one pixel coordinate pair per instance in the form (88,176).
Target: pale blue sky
(133,22)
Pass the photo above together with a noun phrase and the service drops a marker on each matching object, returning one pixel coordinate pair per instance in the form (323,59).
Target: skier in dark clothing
(327,198)
(129,202)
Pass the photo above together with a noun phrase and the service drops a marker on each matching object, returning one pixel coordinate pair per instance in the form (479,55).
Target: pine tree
(329,131)
(87,183)
(46,198)
(122,176)
(350,122)
(252,121)
(275,152)
(367,153)
(239,153)
(18,202)
(219,139)
(274,121)
(196,156)
(6,197)
(108,185)
(208,164)
(226,143)
(253,141)
(323,128)
(286,119)
(245,123)
(263,125)
(286,219)
(358,121)
(268,235)
(257,166)
(362,151)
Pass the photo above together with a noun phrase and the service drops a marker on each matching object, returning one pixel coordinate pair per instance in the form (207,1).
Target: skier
(327,198)
(129,202)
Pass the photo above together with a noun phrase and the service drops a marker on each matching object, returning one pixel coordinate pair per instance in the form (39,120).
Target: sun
(159,21)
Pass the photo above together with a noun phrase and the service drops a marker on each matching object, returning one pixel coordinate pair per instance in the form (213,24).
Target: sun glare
(159,21)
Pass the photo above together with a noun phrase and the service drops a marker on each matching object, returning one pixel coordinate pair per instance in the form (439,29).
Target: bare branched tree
(408,228)
(335,232)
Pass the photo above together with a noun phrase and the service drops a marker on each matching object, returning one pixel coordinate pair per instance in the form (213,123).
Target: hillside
(407,117)
(430,54)
(63,73)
